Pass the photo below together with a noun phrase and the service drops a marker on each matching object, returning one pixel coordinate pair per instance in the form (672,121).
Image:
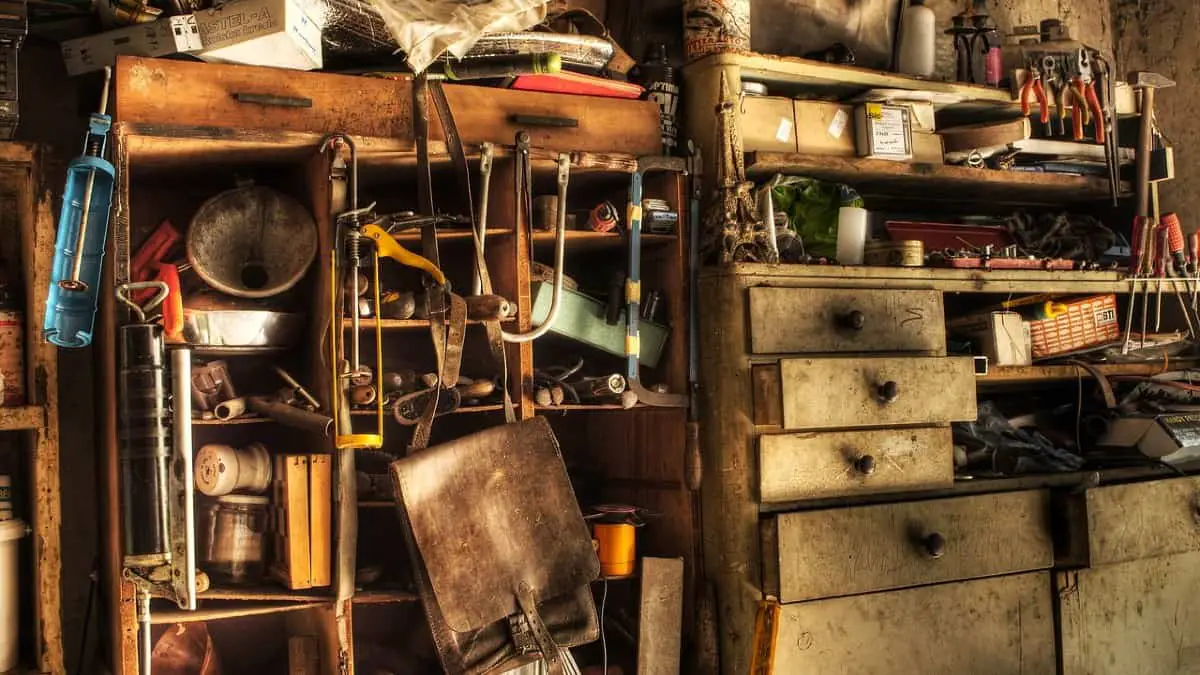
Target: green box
(582,318)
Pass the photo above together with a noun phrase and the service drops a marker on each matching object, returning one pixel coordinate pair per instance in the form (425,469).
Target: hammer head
(1144,79)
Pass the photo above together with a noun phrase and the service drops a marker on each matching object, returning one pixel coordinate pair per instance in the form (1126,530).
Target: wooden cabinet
(185,131)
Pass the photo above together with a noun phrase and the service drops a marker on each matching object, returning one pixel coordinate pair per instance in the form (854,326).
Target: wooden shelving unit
(952,280)
(1053,373)
(935,182)
(22,418)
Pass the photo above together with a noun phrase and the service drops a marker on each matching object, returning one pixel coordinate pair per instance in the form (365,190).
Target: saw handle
(388,247)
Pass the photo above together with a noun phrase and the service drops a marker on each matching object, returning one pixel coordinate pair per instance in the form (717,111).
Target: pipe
(291,416)
(560,247)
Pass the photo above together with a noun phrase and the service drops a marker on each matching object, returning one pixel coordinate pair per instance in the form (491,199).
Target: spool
(11,531)
(222,469)
(715,26)
(616,546)
(906,253)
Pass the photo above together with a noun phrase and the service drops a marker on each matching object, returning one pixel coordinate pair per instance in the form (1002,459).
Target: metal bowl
(242,328)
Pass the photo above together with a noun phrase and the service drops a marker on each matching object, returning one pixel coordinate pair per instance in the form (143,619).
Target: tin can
(6,497)
(12,357)
(715,26)
(907,253)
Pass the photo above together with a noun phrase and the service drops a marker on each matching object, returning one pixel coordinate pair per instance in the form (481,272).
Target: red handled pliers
(1087,108)
(1033,84)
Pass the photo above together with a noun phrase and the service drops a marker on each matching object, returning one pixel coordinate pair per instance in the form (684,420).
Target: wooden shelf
(174,615)
(1052,373)
(236,421)
(793,75)
(587,240)
(445,235)
(883,178)
(384,597)
(569,407)
(938,278)
(267,594)
(22,417)
(465,410)
(376,504)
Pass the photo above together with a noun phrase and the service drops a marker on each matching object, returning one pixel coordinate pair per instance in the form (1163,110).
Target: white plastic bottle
(918,30)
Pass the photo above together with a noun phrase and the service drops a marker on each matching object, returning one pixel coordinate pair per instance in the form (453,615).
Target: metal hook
(141,311)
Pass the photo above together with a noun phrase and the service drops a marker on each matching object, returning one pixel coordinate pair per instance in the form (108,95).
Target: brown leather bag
(501,555)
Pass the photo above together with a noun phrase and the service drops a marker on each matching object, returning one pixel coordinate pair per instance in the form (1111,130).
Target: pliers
(1056,89)
(1033,84)
(1087,108)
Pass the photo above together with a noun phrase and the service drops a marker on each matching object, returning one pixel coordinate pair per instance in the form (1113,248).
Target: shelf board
(1052,373)
(939,182)
(227,611)
(266,594)
(587,240)
(444,235)
(403,324)
(792,75)
(568,407)
(465,410)
(376,504)
(22,417)
(236,421)
(937,278)
(384,597)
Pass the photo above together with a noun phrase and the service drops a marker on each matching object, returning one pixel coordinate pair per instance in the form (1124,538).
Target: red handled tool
(147,265)
(1087,103)
(1033,85)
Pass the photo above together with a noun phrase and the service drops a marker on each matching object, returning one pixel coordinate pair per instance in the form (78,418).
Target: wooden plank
(1001,626)
(320,507)
(1131,618)
(873,548)
(22,417)
(1000,375)
(160,617)
(768,394)
(813,321)
(290,520)
(931,390)
(1141,520)
(936,182)
(794,467)
(929,278)
(660,616)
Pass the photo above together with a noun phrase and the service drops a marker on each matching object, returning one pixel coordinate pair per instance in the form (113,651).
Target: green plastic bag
(812,207)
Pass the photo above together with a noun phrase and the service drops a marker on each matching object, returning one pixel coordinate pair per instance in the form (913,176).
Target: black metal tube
(291,415)
(145,445)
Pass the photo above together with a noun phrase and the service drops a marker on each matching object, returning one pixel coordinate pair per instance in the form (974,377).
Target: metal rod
(181,484)
(145,648)
(77,264)
(485,189)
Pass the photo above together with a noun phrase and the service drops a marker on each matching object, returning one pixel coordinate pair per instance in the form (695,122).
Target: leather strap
(538,631)
(462,173)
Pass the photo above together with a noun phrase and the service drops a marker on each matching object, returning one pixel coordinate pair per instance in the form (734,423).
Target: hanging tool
(1032,86)
(1056,91)
(524,187)
(181,506)
(82,231)
(633,285)
(1086,108)
(145,432)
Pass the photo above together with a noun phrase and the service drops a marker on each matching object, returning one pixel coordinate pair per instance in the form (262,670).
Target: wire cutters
(1033,84)
(1088,103)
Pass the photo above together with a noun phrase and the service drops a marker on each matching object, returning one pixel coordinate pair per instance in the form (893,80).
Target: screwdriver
(82,231)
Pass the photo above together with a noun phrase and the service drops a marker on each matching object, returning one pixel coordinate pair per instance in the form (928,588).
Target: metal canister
(906,253)
(145,434)
(6,497)
(12,357)
(715,26)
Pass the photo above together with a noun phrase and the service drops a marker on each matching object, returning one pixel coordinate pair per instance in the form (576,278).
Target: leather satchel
(501,555)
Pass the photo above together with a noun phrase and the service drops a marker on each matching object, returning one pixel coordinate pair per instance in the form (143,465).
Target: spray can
(715,26)
(658,77)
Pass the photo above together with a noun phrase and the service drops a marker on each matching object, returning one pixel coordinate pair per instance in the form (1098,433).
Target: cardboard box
(824,128)
(768,124)
(922,116)
(1006,340)
(883,131)
(927,149)
(171,35)
(276,33)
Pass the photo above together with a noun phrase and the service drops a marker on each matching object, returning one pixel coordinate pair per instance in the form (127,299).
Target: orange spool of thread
(614,533)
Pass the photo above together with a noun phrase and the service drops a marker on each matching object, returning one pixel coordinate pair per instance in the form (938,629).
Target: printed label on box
(888,132)
(1104,317)
(838,124)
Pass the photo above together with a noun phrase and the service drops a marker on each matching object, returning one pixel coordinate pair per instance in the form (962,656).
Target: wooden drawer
(876,392)
(1002,626)
(1133,618)
(820,320)
(1128,522)
(819,465)
(184,94)
(831,552)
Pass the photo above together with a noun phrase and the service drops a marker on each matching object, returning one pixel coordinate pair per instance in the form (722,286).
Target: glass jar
(236,548)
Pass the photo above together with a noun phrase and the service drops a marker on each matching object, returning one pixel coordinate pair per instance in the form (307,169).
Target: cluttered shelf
(938,278)
(161,617)
(400,324)
(265,594)
(1050,373)
(931,181)
(838,81)
(497,407)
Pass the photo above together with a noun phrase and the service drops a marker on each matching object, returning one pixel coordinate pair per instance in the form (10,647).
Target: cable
(603,636)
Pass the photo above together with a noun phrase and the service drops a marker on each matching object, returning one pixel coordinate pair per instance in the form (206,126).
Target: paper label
(838,124)
(1105,317)
(888,131)
(784,132)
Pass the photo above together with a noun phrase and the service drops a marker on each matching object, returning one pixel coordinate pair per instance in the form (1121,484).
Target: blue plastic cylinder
(71,314)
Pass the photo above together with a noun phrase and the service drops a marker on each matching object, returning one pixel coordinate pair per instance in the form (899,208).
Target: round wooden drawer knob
(934,545)
(888,391)
(852,320)
(865,465)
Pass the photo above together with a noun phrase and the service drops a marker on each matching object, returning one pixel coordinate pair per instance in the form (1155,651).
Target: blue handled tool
(82,231)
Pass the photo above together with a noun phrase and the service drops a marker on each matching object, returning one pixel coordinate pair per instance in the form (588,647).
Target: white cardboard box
(275,33)
(1006,341)
(170,35)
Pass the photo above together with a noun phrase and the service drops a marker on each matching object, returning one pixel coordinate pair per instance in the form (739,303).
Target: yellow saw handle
(388,247)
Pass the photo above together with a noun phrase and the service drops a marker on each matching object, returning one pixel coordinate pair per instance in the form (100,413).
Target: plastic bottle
(918,29)
(851,235)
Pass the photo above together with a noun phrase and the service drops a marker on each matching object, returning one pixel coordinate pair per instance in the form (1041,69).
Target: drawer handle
(274,100)
(888,392)
(865,465)
(934,545)
(852,320)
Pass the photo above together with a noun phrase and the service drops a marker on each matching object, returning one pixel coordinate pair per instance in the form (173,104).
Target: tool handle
(1026,88)
(388,247)
(1093,103)
(1077,112)
(1040,92)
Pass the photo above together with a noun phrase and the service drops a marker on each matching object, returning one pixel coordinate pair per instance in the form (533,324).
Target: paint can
(715,26)
(906,253)
(12,357)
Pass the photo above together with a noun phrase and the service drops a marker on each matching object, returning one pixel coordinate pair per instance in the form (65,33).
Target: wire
(603,636)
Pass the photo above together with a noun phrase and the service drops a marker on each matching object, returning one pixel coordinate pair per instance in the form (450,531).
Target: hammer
(1146,83)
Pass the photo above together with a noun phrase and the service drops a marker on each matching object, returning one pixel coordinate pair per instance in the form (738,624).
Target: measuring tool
(82,231)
